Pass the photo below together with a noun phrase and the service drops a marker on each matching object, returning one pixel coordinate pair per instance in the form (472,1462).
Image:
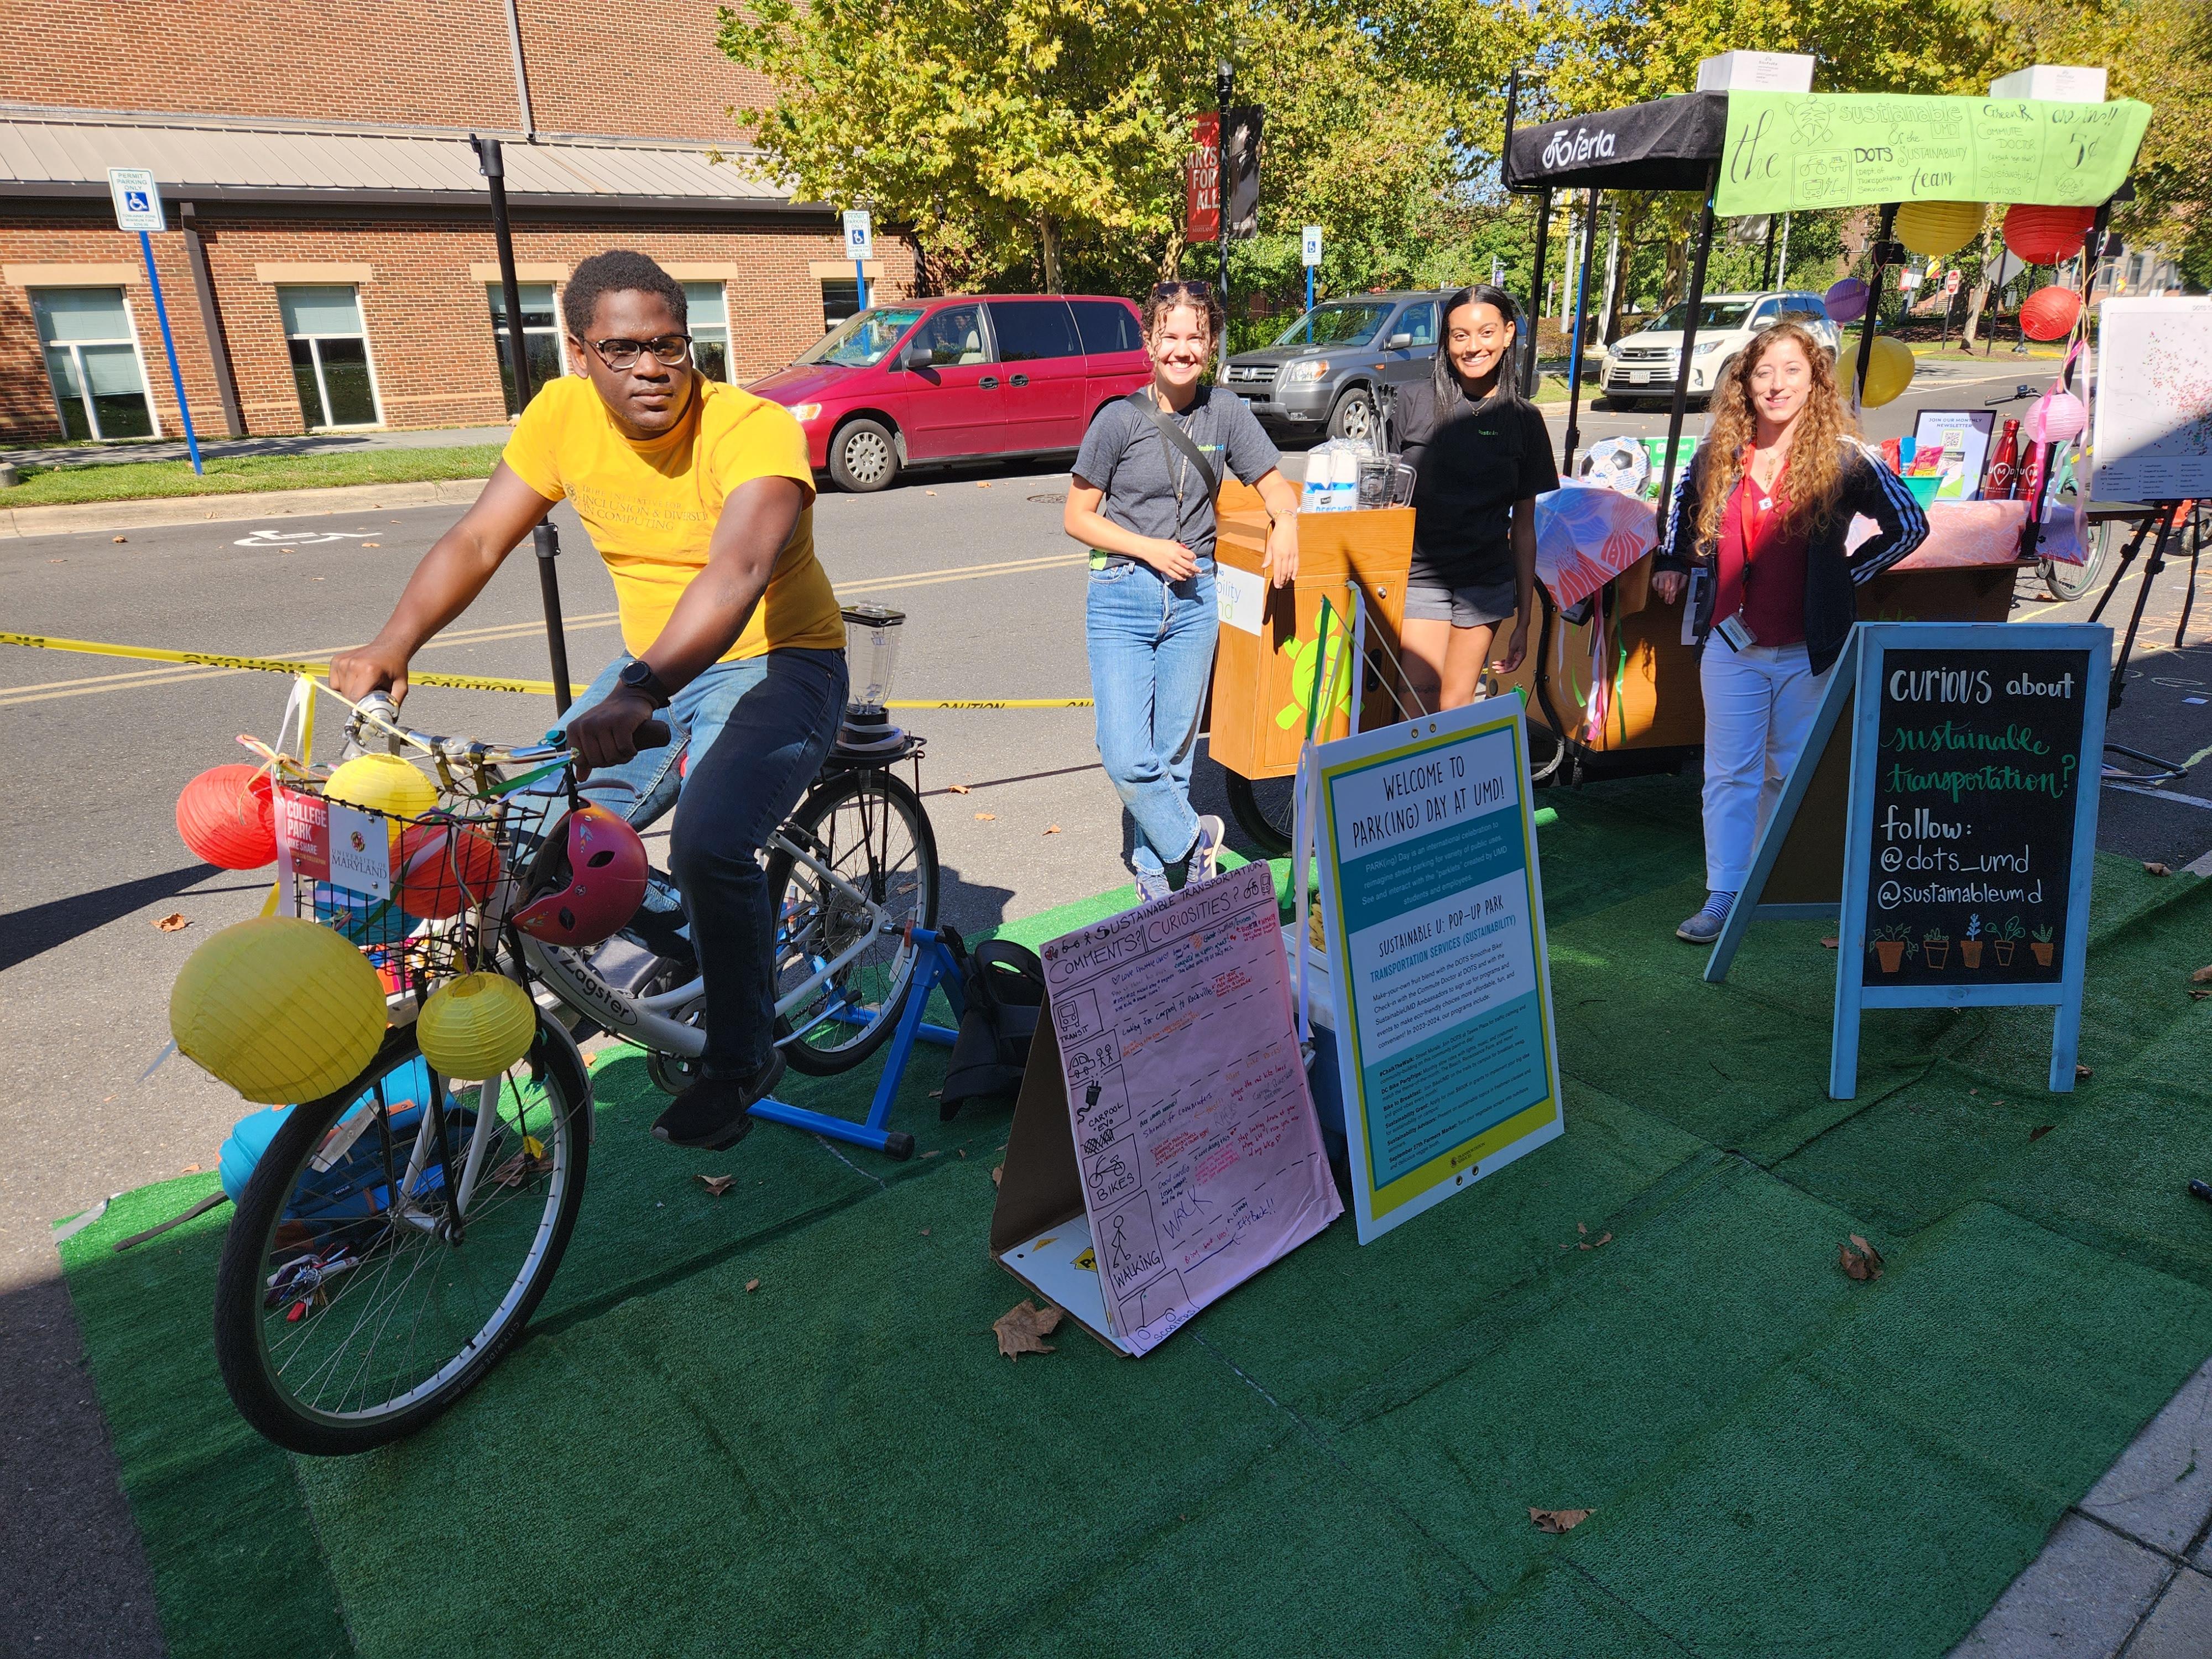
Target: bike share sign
(328,841)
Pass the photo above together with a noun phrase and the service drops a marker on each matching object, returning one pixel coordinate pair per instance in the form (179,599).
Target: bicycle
(396,1235)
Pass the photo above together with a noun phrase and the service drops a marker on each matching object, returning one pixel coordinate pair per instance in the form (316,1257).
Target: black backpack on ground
(1003,991)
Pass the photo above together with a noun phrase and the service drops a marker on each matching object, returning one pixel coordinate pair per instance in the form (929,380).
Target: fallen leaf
(962,1151)
(751,1284)
(1831,943)
(1052,828)
(957,789)
(986,817)
(1580,1228)
(192,1168)
(1862,1263)
(925,1233)
(1602,1238)
(371,544)
(1557,1520)
(2040,1130)
(983,486)
(2202,975)
(997,1169)
(716,1184)
(2199,996)
(2151,867)
(57,561)
(937,1154)
(175,923)
(1020,1327)
(520,1168)
(2082,1074)
(929,492)
(936,1094)
(123,538)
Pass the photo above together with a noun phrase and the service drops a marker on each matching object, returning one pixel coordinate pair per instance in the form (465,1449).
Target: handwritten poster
(2153,439)
(1200,1157)
(1435,923)
(1790,152)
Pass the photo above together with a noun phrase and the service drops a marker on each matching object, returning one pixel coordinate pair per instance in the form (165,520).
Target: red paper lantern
(441,868)
(2049,313)
(227,818)
(2045,235)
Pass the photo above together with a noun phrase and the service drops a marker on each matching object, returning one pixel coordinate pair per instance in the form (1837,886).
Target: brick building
(330,260)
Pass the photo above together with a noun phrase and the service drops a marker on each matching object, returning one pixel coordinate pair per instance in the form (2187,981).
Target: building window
(841,298)
(709,324)
(541,339)
(329,356)
(91,358)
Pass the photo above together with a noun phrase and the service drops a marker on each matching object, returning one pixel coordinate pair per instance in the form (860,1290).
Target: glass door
(330,363)
(92,360)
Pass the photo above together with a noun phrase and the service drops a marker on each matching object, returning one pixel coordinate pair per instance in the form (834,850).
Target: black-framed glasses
(1199,291)
(669,348)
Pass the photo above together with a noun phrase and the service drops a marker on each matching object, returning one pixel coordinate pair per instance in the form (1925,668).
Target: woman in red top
(1766,503)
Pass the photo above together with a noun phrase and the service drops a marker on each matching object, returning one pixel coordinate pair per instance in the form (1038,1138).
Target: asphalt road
(99,748)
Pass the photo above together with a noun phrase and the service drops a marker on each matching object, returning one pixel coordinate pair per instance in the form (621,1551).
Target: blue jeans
(1152,652)
(757,732)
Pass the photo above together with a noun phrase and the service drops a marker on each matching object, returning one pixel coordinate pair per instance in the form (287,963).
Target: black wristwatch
(637,675)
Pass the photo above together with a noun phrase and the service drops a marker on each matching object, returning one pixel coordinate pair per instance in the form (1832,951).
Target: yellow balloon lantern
(476,1026)
(278,1008)
(1889,371)
(383,783)
(1935,228)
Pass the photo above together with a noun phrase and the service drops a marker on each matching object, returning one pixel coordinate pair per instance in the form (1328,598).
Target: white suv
(1644,365)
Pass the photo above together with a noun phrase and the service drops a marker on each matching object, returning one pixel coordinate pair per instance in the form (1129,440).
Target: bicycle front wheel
(868,827)
(392,1243)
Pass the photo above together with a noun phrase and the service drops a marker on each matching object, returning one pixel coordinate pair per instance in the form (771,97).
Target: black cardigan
(1832,575)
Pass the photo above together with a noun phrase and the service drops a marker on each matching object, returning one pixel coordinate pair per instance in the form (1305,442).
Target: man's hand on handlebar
(375,667)
(610,731)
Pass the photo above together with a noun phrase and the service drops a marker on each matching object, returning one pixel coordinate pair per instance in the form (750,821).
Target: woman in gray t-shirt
(1142,500)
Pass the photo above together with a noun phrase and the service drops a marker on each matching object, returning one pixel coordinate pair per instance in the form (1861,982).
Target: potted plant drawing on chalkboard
(2039,942)
(1891,947)
(2006,942)
(1970,948)
(1936,944)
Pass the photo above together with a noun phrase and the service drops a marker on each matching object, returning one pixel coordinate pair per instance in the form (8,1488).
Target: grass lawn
(129,481)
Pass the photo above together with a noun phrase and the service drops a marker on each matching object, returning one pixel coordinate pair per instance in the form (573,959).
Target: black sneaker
(712,1114)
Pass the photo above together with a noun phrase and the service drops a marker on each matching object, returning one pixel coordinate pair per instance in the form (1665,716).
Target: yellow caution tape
(457,682)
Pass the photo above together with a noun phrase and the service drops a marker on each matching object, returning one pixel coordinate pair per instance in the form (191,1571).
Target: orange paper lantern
(442,867)
(2045,235)
(227,818)
(2050,314)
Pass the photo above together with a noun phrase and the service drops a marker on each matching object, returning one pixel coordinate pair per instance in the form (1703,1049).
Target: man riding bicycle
(699,497)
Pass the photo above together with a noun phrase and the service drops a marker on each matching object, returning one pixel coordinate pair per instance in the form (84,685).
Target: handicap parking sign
(137,199)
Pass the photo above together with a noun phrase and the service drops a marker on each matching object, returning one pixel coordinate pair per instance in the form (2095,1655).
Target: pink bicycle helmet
(588,881)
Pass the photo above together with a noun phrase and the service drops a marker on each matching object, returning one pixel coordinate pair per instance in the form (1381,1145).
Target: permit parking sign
(860,236)
(137,199)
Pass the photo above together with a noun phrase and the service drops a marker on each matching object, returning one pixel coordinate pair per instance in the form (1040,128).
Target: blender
(872,648)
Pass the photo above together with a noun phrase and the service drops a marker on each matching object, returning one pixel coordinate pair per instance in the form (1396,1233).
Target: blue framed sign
(1970,826)
(1433,906)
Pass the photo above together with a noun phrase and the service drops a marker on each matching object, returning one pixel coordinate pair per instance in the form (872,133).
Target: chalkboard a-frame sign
(1972,754)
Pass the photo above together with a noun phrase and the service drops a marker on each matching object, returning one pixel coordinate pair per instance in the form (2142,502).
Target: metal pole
(860,282)
(1781,267)
(1691,305)
(545,541)
(1537,290)
(1766,272)
(1574,437)
(1873,304)
(2030,534)
(169,345)
(1224,88)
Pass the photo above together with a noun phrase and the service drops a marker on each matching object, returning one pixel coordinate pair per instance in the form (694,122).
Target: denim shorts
(1428,601)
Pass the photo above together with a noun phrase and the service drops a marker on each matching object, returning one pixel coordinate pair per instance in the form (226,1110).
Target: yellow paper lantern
(476,1026)
(278,1008)
(1935,228)
(1889,371)
(383,783)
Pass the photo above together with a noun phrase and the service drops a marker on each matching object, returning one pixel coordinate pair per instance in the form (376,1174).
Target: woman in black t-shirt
(1481,457)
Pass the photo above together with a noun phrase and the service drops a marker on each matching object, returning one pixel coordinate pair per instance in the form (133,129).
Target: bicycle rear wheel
(870,827)
(356,1299)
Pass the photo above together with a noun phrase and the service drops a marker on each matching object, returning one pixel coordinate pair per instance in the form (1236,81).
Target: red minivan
(928,381)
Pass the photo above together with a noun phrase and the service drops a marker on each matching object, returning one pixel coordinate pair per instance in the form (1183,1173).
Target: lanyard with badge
(1734,628)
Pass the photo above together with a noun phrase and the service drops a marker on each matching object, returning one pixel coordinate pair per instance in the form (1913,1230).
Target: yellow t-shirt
(651,508)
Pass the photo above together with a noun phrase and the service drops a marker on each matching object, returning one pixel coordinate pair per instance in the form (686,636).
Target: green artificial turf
(1341,1457)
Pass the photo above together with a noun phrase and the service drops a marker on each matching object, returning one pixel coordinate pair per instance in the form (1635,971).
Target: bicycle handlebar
(378,711)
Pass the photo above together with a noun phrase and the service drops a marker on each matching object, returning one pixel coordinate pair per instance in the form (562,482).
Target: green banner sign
(1788,152)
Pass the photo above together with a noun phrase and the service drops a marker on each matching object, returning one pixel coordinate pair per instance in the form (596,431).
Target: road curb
(80,516)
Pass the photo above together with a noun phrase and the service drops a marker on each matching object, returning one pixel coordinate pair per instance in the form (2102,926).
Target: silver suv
(1333,369)
(1644,365)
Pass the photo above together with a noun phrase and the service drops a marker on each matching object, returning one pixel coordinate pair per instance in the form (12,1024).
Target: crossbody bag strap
(1172,435)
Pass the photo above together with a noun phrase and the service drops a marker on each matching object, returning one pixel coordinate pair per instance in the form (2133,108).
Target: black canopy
(1670,143)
